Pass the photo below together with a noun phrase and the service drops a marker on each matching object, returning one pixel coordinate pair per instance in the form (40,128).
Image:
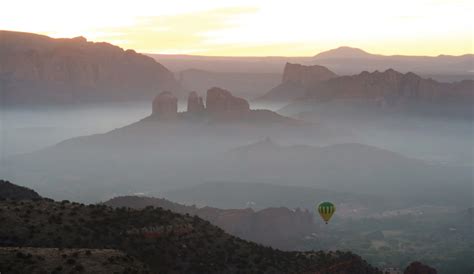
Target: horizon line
(243,56)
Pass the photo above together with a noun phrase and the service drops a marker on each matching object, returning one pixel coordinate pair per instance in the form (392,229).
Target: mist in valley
(250,143)
(159,156)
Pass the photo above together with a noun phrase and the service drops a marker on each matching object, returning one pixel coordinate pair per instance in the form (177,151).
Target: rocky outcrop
(37,69)
(306,76)
(394,88)
(195,103)
(221,102)
(419,268)
(221,107)
(165,105)
(296,80)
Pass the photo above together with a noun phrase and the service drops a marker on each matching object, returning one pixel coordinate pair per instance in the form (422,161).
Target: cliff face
(296,80)
(306,76)
(36,69)
(222,102)
(195,103)
(387,88)
(393,88)
(165,105)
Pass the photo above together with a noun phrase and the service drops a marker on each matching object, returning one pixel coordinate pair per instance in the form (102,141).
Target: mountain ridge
(37,69)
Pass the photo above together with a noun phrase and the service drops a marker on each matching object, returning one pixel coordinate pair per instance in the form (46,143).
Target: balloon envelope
(326,210)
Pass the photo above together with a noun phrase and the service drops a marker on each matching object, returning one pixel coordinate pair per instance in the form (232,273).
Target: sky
(254,27)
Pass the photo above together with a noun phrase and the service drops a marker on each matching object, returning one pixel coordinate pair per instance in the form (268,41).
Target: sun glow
(254,28)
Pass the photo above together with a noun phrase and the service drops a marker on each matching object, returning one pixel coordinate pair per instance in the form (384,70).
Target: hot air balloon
(326,210)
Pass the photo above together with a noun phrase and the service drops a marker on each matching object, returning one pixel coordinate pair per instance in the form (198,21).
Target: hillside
(14,192)
(291,226)
(67,260)
(39,70)
(347,166)
(164,241)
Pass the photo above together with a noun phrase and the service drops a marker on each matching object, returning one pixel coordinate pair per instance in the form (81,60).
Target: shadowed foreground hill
(289,227)
(166,242)
(13,192)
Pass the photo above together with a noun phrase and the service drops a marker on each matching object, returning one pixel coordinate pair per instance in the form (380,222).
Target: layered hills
(39,70)
(343,61)
(165,242)
(445,68)
(387,88)
(290,226)
(394,88)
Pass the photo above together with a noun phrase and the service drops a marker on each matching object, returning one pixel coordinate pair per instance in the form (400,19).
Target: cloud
(183,33)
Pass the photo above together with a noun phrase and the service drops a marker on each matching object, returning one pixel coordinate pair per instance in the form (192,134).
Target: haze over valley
(241,150)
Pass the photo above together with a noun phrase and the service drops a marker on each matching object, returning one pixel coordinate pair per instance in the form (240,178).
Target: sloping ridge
(14,192)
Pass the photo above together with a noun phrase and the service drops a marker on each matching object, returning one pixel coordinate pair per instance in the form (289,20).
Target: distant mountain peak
(344,52)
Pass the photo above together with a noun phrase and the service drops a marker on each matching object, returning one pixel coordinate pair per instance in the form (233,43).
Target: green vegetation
(55,260)
(205,249)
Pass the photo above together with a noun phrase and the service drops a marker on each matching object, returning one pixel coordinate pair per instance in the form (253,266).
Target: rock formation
(221,106)
(165,105)
(37,69)
(394,88)
(296,80)
(195,103)
(306,76)
(220,101)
